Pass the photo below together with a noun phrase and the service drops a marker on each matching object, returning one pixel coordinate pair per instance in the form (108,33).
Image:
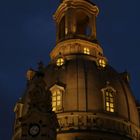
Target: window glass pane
(111,105)
(59,92)
(107,103)
(58,103)
(107,98)
(107,108)
(53,104)
(106,93)
(54,94)
(54,109)
(53,98)
(111,109)
(111,100)
(110,95)
(58,98)
(59,108)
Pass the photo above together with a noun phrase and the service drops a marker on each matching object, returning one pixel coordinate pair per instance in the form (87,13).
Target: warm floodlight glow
(30,74)
(102,63)
(60,62)
(86,51)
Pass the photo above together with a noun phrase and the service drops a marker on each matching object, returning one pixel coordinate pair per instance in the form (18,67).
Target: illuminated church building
(78,95)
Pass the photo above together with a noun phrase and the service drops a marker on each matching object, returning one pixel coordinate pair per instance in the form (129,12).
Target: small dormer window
(86,51)
(60,61)
(57,97)
(109,99)
(56,100)
(102,62)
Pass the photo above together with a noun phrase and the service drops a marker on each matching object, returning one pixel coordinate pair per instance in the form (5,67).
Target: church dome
(78,95)
(85,87)
(84,83)
(88,95)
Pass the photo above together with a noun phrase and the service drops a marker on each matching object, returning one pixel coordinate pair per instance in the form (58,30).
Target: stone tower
(91,100)
(34,115)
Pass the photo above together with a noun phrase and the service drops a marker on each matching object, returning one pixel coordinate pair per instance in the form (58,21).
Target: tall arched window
(57,100)
(109,99)
(82,23)
(62,28)
(57,97)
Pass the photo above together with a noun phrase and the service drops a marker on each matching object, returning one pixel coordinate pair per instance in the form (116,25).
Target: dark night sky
(27,35)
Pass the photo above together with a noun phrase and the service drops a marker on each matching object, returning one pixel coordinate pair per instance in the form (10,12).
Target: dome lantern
(76,19)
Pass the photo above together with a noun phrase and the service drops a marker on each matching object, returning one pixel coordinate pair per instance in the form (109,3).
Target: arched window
(56,100)
(82,23)
(57,97)
(62,28)
(109,99)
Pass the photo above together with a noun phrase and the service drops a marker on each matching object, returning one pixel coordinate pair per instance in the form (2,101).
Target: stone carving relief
(39,98)
(93,122)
